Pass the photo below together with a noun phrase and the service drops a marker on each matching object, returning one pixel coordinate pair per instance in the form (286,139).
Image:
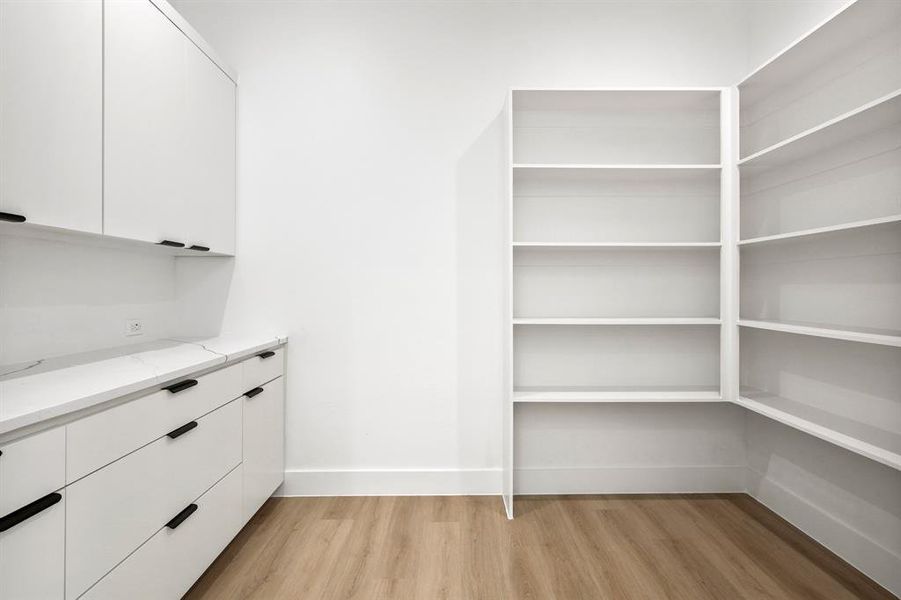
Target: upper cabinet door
(51,119)
(170,133)
(209,154)
(145,95)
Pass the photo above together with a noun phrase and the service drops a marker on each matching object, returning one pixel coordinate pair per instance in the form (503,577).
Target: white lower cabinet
(32,553)
(137,499)
(113,511)
(101,438)
(169,563)
(32,516)
(31,467)
(264,443)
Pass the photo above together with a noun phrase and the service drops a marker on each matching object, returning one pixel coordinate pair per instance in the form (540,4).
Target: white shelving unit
(820,314)
(617,199)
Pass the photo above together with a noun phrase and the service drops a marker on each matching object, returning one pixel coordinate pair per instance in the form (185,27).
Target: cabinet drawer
(264,445)
(32,555)
(106,436)
(263,367)
(114,510)
(31,468)
(173,559)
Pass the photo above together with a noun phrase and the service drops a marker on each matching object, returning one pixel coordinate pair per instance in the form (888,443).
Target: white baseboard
(875,561)
(453,482)
(631,480)
(400,482)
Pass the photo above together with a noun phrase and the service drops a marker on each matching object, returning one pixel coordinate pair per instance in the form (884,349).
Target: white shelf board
(607,395)
(874,116)
(869,441)
(621,89)
(867,336)
(847,27)
(618,321)
(585,166)
(766,239)
(616,244)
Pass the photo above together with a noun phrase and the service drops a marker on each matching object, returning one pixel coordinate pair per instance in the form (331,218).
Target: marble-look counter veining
(55,387)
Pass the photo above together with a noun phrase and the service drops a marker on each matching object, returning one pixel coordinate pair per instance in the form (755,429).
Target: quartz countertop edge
(29,399)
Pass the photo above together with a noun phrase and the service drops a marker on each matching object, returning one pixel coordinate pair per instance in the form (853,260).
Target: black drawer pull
(182,516)
(199,248)
(172,244)
(5,216)
(181,386)
(267,354)
(182,430)
(254,392)
(28,511)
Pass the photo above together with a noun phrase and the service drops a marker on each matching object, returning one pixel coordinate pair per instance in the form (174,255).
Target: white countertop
(60,386)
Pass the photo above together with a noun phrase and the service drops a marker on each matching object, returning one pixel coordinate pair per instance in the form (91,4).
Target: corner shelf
(873,116)
(770,239)
(618,321)
(869,441)
(623,396)
(863,335)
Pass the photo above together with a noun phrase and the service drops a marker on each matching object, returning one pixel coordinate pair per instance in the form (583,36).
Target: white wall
(61,298)
(370,218)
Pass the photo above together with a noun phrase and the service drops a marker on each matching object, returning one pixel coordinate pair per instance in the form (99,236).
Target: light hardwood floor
(722,547)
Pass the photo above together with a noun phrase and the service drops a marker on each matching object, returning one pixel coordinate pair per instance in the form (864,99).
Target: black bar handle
(5,216)
(28,511)
(199,248)
(267,354)
(182,516)
(171,243)
(181,386)
(254,392)
(182,430)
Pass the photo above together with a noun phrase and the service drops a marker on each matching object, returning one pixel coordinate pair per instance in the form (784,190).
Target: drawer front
(173,559)
(99,439)
(32,559)
(264,445)
(31,468)
(116,509)
(262,368)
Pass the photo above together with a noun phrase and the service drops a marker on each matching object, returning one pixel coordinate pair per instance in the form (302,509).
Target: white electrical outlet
(134,327)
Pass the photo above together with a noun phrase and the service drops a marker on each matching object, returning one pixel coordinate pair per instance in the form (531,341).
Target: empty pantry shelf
(636,245)
(615,395)
(867,440)
(589,166)
(873,117)
(803,233)
(884,337)
(618,321)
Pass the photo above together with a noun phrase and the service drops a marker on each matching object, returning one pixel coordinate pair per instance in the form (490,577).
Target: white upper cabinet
(51,119)
(209,155)
(169,133)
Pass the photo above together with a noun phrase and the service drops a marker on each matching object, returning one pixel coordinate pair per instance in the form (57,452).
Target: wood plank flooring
(696,547)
